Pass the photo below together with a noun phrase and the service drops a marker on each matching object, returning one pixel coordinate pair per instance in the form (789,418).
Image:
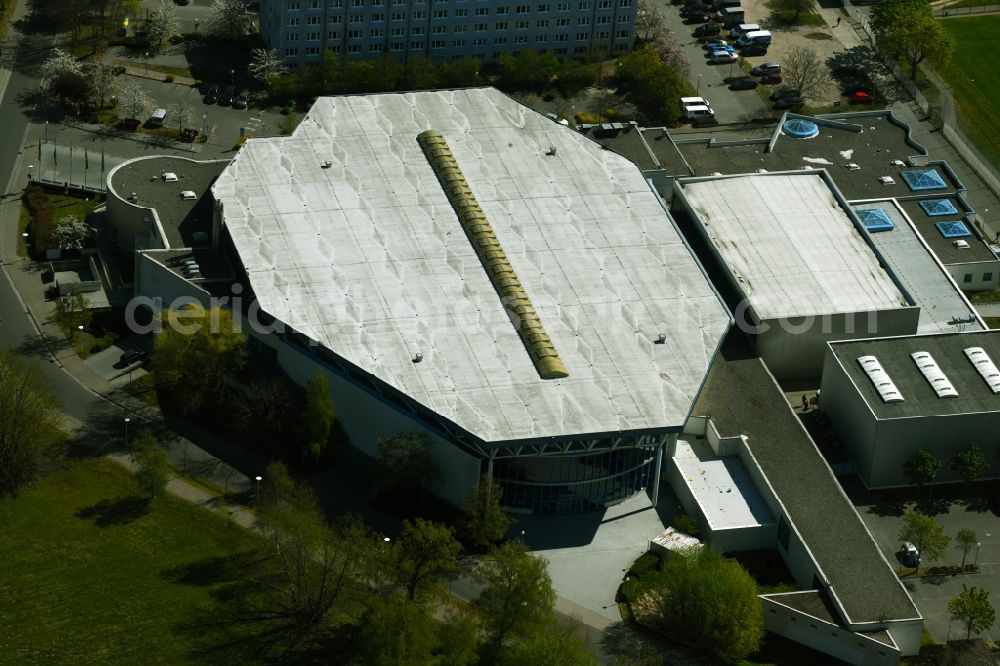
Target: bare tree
(265,65)
(230,19)
(649,22)
(182,113)
(804,69)
(134,100)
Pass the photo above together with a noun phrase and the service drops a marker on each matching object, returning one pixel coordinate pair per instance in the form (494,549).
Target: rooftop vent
(761,170)
(854,167)
(418,357)
(551,151)
(886,180)
(169,177)
(327,164)
(188,195)
(933,374)
(886,389)
(961,244)
(987,369)
(661,339)
(134,197)
(898,163)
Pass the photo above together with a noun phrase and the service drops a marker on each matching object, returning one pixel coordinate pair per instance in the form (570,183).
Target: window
(292,20)
(584,6)
(440,13)
(378,18)
(542,23)
(499,41)
(459,28)
(580,49)
(784,533)
(419,15)
(560,51)
(374,48)
(560,38)
(479,42)
(563,6)
(336,3)
(294,4)
(313,4)
(312,50)
(334,48)
(312,36)
(376,33)
(459,43)
(502,10)
(583,20)
(397,32)
(500,25)
(521,39)
(624,18)
(292,37)
(603,20)
(987,277)
(314,20)
(417,31)
(291,52)
(354,34)
(562,23)
(544,8)
(968,278)
(601,35)
(357,18)
(521,25)
(398,16)
(541,38)
(396,46)
(523,9)
(480,27)
(624,3)
(357,3)
(335,20)
(459,13)
(438,44)
(482,11)
(354,48)
(604,4)
(440,29)
(417,44)
(582,37)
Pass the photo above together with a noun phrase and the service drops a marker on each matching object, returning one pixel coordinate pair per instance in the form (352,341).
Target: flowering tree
(230,19)
(265,65)
(57,65)
(72,233)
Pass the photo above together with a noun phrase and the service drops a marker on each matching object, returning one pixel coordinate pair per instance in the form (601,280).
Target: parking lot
(932,593)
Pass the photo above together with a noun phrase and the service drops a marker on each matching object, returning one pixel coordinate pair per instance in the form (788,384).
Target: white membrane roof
(792,248)
(367,257)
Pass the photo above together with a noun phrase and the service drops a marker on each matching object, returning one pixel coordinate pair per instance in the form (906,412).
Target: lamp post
(196,25)
(30,167)
(127,419)
(259,479)
(698,89)
(976,563)
(46,131)
(232,77)
(80,328)
(24,238)
(147,62)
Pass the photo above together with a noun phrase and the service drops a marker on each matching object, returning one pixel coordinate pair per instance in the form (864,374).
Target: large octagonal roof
(347,235)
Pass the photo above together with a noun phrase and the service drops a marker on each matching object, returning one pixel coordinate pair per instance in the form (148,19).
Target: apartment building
(302,30)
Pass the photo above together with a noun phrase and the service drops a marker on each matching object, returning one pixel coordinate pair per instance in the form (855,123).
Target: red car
(860,97)
(771,78)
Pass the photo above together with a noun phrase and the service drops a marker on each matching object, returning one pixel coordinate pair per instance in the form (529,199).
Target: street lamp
(30,167)
(232,77)
(80,328)
(127,419)
(196,25)
(976,563)
(259,479)
(46,131)
(24,237)
(386,539)
(698,90)
(147,62)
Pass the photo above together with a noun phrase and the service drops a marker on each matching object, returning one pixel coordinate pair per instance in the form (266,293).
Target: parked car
(242,100)
(695,9)
(860,97)
(789,102)
(722,57)
(212,96)
(754,50)
(720,45)
(766,68)
(909,555)
(785,91)
(771,78)
(743,83)
(698,17)
(182,2)
(859,86)
(707,30)
(228,96)
(132,356)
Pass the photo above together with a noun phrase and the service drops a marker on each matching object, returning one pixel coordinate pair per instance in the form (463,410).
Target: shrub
(647,562)
(584,118)
(43,230)
(169,78)
(612,114)
(686,524)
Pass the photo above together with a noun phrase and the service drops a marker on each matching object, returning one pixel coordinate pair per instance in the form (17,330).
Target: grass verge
(144,388)
(88,574)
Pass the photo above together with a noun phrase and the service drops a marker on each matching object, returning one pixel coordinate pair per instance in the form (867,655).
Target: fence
(965,11)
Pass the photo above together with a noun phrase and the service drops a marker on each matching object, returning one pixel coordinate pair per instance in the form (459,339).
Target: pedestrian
(805,403)
(839,19)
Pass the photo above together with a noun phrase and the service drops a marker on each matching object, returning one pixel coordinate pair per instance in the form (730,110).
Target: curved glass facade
(573,484)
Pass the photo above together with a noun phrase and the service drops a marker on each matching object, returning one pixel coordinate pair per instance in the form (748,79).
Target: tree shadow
(888,508)
(862,63)
(117,511)
(212,570)
(933,507)
(984,504)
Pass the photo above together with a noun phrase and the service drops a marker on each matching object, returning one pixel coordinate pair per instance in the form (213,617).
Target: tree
(923,38)
(29,422)
(320,417)
(396,631)
(552,643)
(485,522)
(152,470)
(793,8)
(652,86)
(181,112)
(969,463)
(72,232)
(964,541)
(926,534)
(133,99)
(425,553)
(517,596)
(408,456)
(527,70)
(100,82)
(72,312)
(703,598)
(921,468)
(803,68)
(71,89)
(162,24)
(56,65)
(196,350)
(885,16)
(648,20)
(973,609)
(265,65)
(231,19)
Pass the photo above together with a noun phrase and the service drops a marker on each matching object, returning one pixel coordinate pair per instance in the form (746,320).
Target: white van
(157,117)
(730,16)
(755,37)
(698,113)
(742,29)
(693,101)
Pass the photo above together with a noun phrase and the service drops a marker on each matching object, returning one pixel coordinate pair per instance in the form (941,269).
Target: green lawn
(975,81)
(86,582)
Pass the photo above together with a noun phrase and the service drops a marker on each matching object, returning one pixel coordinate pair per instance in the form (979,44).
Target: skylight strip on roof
(983,364)
(880,379)
(934,375)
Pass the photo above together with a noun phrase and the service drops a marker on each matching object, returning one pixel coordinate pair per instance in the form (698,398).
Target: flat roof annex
(919,399)
(793,249)
(347,236)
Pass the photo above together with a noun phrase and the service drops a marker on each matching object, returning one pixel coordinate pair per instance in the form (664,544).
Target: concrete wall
(826,637)
(722,446)
(795,348)
(983,275)
(366,418)
(155,280)
(848,413)
(907,635)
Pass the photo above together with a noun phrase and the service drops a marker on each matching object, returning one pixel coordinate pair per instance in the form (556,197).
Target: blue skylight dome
(800,128)
(935,207)
(956,229)
(874,219)
(925,179)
